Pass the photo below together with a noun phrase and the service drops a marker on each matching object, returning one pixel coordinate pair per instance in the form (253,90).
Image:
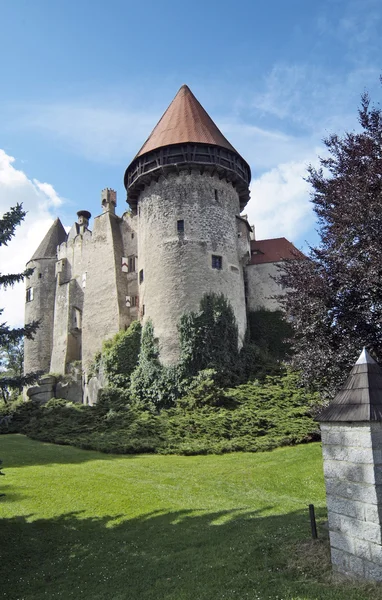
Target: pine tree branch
(12,278)
(9,222)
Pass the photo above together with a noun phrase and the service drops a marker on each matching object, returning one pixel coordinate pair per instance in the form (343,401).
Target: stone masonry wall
(262,287)
(177,267)
(105,311)
(353,475)
(40,308)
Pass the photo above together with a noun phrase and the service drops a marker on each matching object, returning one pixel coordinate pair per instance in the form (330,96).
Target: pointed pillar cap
(360,398)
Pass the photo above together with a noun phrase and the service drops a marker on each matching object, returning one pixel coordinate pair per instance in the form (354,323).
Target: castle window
(217,262)
(132,236)
(134,301)
(143,310)
(216,196)
(141,276)
(29,294)
(131,264)
(180,226)
(39,275)
(77,318)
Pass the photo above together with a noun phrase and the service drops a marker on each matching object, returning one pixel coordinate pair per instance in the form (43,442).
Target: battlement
(108,200)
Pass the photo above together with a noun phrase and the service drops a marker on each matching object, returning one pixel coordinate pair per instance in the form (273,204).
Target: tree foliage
(120,355)
(335,295)
(11,337)
(209,339)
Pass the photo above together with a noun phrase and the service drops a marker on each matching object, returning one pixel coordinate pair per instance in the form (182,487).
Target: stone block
(363,530)
(347,563)
(362,473)
(348,454)
(359,437)
(69,390)
(372,571)
(353,509)
(341,541)
(361,492)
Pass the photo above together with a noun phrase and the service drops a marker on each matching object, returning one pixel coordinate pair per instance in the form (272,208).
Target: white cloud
(314,99)
(37,199)
(279,205)
(100,133)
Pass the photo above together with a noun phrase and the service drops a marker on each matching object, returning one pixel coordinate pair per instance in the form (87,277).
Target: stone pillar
(351,431)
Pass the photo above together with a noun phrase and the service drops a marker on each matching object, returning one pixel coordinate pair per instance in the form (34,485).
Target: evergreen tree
(11,337)
(209,340)
(335,295)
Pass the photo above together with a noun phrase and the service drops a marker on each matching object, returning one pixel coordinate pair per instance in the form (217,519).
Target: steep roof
(273,250)
(184,121)
(360,398)
(48,247)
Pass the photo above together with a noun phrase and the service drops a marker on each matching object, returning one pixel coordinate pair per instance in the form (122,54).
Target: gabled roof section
(48,247)
(360,399)
(185,121)
(273,250)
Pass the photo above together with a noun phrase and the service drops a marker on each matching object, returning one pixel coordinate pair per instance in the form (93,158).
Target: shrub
(209,340)
(120,355)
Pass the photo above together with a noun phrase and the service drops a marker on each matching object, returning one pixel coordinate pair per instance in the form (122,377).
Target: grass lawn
(84,525)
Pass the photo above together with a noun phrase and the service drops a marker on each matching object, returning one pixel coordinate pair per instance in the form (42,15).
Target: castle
(183,236)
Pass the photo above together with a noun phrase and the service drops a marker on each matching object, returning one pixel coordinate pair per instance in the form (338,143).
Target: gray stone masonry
(176,267)
(353,476)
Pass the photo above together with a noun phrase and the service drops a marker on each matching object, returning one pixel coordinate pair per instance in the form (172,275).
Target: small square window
(217,262)
(141,276)
(180,226)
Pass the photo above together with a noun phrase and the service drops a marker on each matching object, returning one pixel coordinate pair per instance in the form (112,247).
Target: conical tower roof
(48,247)
(360,398)
(186,137)
(185,121)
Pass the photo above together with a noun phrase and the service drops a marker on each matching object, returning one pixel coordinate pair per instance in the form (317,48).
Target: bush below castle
(189,408)
(250,418)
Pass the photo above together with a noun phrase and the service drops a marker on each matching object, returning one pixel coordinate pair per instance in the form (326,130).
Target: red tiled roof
(273,250)
(185,121)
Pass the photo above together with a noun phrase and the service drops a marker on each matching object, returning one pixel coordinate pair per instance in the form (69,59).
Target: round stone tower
(187,185)
(39,301)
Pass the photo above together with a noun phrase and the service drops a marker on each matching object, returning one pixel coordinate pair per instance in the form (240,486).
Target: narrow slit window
(131,264)
(216,196)
(141,276)
(217,262)
(29,294)
(180,226)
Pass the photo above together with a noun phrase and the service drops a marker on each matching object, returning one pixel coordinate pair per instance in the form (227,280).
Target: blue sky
(84,82)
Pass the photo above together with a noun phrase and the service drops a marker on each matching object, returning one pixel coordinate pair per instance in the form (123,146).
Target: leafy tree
(209,339)
(11,337)
(335,297)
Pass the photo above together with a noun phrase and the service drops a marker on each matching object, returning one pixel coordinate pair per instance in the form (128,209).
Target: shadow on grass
(181,555)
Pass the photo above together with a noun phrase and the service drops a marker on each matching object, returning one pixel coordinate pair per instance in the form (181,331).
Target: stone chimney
(351,429)
(83,220)
(109,200)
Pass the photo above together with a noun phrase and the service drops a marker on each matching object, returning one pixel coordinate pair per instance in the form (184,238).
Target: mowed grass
(79,524)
